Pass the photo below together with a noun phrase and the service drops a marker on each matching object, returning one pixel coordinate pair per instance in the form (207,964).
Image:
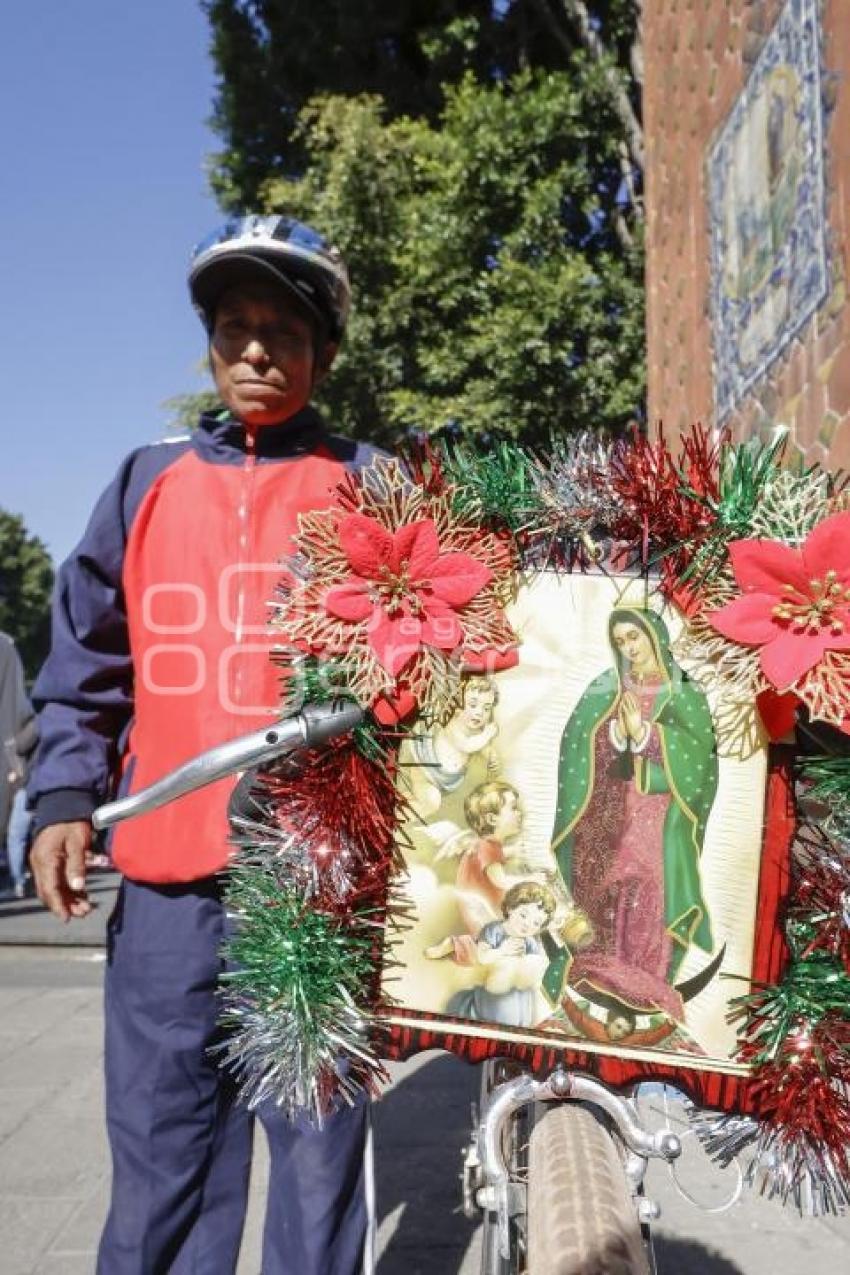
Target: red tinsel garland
(425,466)
(667,504)
(344,810)
(804,1094)
(821,891)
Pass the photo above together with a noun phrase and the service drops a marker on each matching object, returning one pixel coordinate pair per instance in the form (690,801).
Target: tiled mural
(766,195)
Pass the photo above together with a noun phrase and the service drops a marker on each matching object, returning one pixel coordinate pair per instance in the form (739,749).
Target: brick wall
(698,54)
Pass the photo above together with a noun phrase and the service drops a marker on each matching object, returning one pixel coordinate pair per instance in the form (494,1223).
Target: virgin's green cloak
(688,771)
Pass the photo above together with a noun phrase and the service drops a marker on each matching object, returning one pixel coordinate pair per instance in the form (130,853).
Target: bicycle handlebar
(317,724)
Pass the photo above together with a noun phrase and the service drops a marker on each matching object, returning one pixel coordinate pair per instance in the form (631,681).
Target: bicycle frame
(485,1160)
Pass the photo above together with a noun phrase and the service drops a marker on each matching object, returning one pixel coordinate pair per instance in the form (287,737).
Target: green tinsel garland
(811,988)
(830,784)
(293,999)
(495,487)
(745,472)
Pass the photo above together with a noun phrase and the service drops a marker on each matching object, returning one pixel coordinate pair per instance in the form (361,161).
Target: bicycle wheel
(581,1214)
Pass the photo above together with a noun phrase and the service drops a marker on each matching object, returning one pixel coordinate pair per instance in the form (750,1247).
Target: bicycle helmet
(291,253)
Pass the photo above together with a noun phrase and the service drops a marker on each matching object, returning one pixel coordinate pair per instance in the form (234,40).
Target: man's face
(262,354)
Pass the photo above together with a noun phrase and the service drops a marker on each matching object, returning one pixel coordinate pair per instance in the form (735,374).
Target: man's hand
(58,862)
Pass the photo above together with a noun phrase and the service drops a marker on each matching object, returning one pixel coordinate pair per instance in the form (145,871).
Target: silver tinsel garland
(576,498)
(798,1172)
(275,1060)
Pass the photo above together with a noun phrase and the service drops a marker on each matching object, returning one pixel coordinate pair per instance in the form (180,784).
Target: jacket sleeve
(27,737)
(84,692)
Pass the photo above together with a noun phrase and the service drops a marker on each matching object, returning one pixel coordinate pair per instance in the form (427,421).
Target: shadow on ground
(25,922)
(674,1257)
(422,1126)
(101,890)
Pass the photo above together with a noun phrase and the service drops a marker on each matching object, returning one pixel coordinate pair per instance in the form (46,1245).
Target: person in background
(18,753)
(161,650)
(17,740)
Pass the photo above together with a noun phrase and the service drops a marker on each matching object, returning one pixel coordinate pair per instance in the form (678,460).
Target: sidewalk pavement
(54,1159)
(25,922)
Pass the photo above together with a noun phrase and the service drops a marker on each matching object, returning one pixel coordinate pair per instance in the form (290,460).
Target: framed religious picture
(584,841)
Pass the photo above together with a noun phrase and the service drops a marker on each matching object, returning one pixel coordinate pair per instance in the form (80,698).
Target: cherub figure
(512,959)
(494,815)
(446,763)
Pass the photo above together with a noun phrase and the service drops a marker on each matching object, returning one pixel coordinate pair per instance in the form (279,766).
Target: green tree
(484,184)
(184,409)
(473,305)
(273,56)
(26,582)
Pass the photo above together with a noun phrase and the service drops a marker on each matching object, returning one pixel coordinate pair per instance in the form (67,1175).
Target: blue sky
(103,110)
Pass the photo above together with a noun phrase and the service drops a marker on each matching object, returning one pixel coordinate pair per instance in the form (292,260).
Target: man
(160,651)
(17,738)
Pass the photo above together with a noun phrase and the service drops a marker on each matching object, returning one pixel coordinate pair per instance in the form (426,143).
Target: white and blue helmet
(294,255)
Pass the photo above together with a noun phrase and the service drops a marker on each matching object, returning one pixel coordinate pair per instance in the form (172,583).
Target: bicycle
(555,1164)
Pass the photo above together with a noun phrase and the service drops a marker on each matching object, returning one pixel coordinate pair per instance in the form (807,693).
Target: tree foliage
(273,56)
(478,164)
(26,582)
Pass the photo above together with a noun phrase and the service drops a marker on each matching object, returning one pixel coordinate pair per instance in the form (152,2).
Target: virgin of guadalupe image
(637,777)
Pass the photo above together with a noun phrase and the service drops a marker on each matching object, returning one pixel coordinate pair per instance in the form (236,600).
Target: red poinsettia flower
(795,603)
(409,592)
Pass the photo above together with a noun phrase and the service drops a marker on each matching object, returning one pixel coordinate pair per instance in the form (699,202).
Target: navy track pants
(181,1144)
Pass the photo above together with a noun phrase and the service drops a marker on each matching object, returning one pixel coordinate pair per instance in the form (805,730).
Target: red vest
(202,562)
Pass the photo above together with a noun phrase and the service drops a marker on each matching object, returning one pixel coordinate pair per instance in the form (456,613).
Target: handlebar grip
(324,722)
(315,726)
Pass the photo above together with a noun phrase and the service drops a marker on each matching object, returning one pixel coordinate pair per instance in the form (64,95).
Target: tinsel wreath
(398,588)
